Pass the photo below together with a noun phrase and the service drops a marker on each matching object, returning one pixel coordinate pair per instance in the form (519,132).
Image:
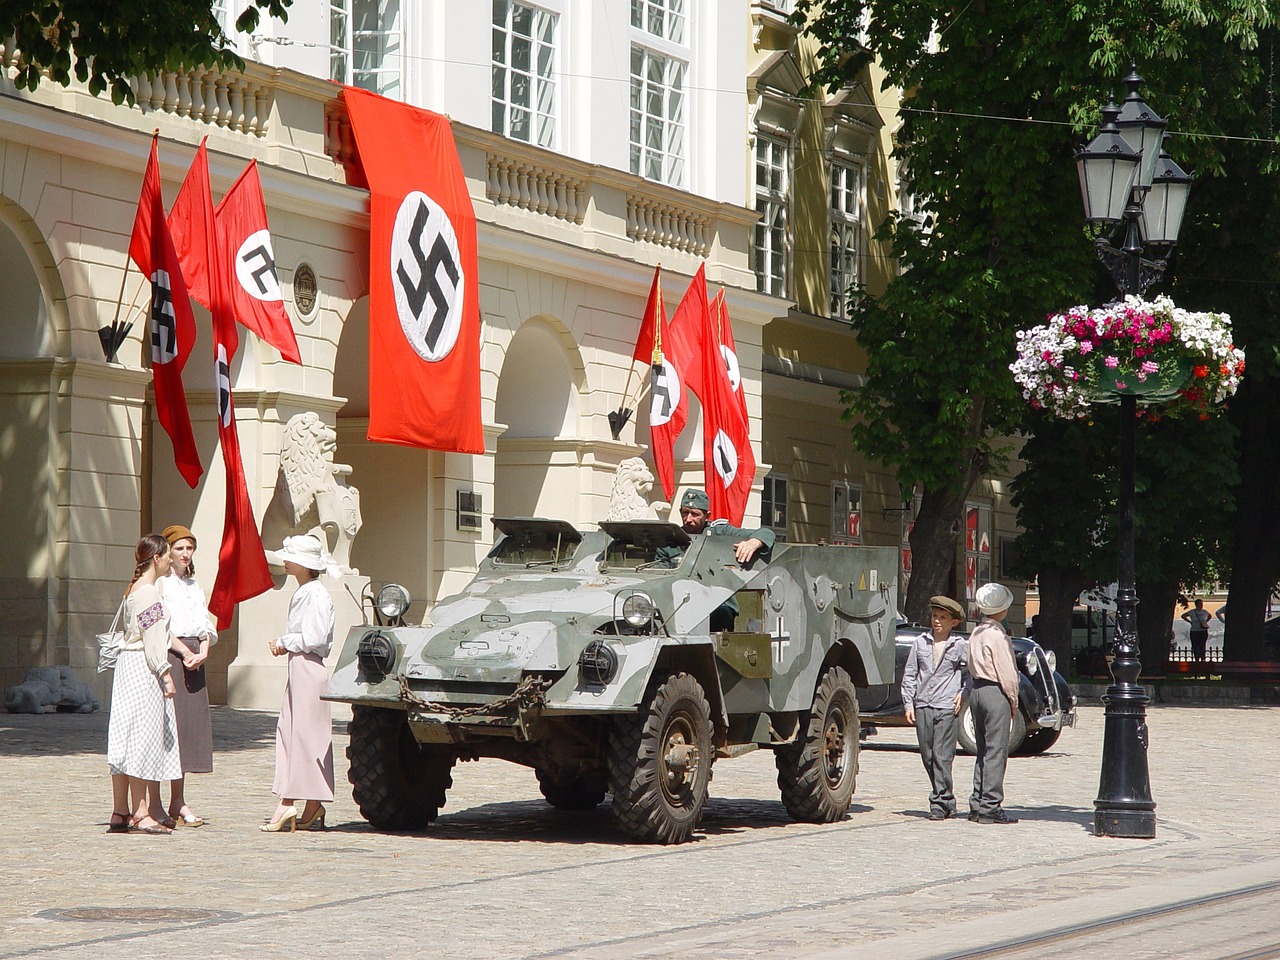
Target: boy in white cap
(995,696)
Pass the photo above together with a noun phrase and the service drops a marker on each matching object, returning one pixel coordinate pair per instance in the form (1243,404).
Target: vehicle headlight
(1051,658)
(393,600)
(376,655)
(597,663)
(637,610)
(1033,664)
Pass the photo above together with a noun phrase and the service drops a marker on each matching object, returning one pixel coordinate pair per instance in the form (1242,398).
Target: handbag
(109,643)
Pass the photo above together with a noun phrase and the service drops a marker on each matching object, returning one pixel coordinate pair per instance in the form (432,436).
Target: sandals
(188,819)
(156,829)
(119,823)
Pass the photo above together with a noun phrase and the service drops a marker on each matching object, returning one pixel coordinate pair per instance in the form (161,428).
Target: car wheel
(578,792)
(398,783)
(818,772)
(968,741)
(1038,741)
(660,763)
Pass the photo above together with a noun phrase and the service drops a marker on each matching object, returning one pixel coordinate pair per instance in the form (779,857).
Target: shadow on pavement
(70,734)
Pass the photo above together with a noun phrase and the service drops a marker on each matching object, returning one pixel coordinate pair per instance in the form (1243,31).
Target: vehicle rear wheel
(818,772)
(583,791)
(660,763)
(968,739)
(398,783)
(1038,741)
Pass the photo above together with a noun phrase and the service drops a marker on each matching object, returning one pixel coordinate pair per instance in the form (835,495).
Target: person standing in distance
(994,670)
(304,732)
(933,687)
(1199,619)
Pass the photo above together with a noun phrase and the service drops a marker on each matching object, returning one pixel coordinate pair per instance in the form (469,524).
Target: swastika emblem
(725,457)
(665,394)
(222,378)
(427,277)
(164,328)
(731,367)
(256,267)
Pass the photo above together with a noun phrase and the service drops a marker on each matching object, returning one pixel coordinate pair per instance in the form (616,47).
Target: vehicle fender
(1029,698)
(696,657)
(845,654)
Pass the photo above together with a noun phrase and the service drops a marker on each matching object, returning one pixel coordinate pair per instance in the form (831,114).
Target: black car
(1046,703)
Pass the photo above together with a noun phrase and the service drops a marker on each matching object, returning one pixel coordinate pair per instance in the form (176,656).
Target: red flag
(728,349)
(688,326)
(730,463)
(424,309)
(242,563)
(192,225)
(655,312)
(254,287)
(172,325)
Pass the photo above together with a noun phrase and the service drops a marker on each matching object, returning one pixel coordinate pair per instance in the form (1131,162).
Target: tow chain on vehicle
(529,692)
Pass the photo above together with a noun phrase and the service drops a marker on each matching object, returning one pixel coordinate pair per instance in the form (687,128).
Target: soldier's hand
(746,549)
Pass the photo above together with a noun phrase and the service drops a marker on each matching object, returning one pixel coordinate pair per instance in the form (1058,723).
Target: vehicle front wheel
(584,791)
(968,739)
(398,783)
(1038,741)
(660,763)
(818,772)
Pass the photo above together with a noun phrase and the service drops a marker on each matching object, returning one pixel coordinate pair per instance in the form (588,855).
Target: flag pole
(113,335)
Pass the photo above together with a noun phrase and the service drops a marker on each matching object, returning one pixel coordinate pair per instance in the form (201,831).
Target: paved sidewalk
(501,874)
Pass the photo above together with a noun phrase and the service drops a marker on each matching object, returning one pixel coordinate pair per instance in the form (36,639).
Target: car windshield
(532,542)
(644,545)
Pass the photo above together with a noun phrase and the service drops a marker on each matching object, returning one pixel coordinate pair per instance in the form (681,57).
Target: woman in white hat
(304,733)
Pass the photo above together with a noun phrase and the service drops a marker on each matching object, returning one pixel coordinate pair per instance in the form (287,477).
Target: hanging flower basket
(1150,350)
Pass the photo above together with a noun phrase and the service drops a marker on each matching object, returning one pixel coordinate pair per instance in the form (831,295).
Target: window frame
(776,201)
(846,512)
(846,224)
(539,83)
(351,50)
(771,511)
(977,558)
(672,157)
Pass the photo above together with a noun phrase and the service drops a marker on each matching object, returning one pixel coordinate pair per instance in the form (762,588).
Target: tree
(998,97)
(104,43)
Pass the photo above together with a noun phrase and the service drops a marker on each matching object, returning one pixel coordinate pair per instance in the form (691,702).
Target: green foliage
(104,43)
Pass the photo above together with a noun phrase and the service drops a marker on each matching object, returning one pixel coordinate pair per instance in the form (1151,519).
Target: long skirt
(191,708)
(304,733)
(142,736)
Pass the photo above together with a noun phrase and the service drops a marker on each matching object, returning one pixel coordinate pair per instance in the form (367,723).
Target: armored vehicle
(588,656)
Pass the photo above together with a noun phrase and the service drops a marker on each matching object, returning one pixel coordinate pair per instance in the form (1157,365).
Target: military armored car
(588,657)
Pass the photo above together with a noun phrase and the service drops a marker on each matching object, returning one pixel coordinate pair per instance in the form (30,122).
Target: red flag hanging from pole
(728,349)
(424,310)
(648,339)
(172,325)
(191,223)
(253,287)
(730,464)
(668,408)
(688,324)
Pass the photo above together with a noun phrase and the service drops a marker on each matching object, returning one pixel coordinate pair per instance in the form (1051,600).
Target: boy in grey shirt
(934,685)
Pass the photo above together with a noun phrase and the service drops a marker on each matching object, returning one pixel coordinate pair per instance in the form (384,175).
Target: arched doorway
(538,456)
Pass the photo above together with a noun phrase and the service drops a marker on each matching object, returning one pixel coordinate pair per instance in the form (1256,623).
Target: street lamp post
(1126,179)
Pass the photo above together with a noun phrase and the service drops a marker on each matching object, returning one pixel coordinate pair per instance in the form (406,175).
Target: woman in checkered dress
(142,738)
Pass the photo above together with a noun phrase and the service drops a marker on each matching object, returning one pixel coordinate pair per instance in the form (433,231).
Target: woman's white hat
(993,598)
(304,550)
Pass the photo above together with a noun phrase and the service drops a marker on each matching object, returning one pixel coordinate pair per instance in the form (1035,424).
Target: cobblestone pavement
(503,875)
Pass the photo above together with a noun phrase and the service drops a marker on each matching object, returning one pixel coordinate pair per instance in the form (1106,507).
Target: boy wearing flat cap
(934,684)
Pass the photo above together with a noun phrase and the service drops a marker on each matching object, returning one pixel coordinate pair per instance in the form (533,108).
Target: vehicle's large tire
(581,792)
(398,783)
(1038,741)
(968,740)
(660,762)
(817,774)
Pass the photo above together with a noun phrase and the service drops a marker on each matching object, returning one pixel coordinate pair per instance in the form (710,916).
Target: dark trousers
(1199,640)
(991,717)
(936,732)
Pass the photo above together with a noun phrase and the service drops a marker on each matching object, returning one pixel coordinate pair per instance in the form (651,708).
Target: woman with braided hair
(142,738)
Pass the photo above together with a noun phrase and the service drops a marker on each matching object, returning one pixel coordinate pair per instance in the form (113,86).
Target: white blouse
(311,620)
(188,612)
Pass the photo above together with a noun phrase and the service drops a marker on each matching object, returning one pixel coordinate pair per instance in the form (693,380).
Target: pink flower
(1085,346)
(1112,362)
(1121,385)
(1150,366)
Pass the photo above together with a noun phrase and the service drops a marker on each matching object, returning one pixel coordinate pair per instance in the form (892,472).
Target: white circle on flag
(731,367)
(427,276)
(725,456)
(665,395)
(256,268)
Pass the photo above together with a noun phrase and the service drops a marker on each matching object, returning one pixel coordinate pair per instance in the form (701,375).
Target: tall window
(524,64)
(657,116)
(846,512)
(662,18)
(846,234)
(772,187)
(977,549)
(366,45)
(773,504)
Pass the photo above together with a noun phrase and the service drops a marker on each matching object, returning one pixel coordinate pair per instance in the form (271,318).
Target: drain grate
(133,914)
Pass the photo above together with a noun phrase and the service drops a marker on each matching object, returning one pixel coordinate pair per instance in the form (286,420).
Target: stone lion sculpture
(312,494)
(628,501)
(50,690)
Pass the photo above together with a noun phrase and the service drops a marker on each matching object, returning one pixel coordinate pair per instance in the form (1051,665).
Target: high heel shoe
(315,823)
(287,823)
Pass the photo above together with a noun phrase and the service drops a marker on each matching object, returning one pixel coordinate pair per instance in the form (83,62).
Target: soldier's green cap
(695,500)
